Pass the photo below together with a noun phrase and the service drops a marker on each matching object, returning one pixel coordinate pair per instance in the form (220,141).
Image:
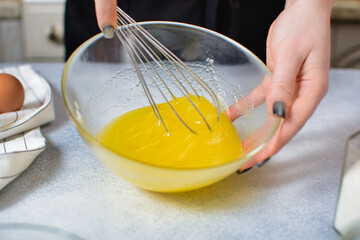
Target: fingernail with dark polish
(279,109)
(263,163)
(243,171)
(108,31)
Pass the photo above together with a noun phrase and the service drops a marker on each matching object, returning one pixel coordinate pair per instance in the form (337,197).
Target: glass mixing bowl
(29,231)
(99,84)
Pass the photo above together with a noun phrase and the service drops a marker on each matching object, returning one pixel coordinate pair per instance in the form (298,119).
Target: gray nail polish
(279,109)
(108,31)
(263,163)
(243,171)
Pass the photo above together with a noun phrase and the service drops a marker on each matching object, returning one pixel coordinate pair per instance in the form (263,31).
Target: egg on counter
(12,94)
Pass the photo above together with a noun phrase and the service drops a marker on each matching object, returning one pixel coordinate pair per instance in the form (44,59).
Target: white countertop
(293,196)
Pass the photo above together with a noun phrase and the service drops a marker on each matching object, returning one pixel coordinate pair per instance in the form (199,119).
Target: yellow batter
(139,135)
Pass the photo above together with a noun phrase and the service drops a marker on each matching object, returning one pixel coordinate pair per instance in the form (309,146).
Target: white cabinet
(43,30)
(10,41)
(10,31)
(345,45)
(345,34)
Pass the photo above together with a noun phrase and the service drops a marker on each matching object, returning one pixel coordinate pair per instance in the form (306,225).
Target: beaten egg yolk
(139,135)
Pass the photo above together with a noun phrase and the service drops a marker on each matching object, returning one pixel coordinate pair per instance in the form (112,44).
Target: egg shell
(12,94)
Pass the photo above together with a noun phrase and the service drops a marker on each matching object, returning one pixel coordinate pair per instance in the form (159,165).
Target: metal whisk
(161,66)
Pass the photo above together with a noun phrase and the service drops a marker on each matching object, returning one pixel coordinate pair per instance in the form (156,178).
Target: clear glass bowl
(28,231)
(99,84)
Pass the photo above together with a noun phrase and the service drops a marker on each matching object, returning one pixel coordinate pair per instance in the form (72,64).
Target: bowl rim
(20,227)
(95,141)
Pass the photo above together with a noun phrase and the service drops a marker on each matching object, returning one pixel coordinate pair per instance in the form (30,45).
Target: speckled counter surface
(293,196)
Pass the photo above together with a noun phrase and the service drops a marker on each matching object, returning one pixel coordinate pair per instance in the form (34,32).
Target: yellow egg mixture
(139,135)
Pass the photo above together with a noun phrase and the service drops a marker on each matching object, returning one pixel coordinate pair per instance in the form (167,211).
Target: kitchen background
(32,31)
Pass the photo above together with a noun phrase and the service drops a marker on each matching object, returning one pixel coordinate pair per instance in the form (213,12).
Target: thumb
(283,83)
(106,15)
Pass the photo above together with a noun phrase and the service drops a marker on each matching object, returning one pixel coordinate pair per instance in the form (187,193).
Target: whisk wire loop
(144,85)
(171,57)
(136,41)
(131,48)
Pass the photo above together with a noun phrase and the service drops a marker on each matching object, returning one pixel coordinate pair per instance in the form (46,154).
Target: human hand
(298,55)
(106,15)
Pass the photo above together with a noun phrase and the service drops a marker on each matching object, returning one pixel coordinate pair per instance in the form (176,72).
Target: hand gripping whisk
(161,67)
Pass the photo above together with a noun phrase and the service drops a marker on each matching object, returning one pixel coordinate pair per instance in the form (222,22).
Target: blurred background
(32,31)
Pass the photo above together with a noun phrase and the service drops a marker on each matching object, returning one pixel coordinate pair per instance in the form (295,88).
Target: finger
(281,91)
(106,15)
(254,99)
(269,150)
(258,138)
